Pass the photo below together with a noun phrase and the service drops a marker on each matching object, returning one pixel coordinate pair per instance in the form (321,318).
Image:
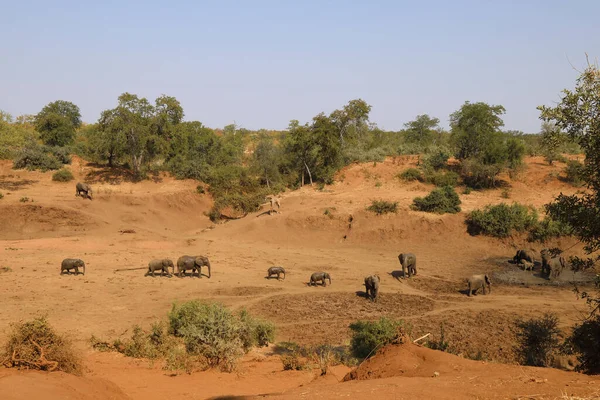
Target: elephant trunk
(84,268)
(208,266)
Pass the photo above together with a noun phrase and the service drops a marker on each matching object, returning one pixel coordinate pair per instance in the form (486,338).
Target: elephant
(552,267)
(476,282)
(527,255)
(194,263)
(372,286)
(319,277)
(82,187)
(408,262)
(72,263)
(160,265)
(277,270)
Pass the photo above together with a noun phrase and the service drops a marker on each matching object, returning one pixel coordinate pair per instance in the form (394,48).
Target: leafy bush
(35,344)
(538,340)
(293,362)
(501,220)
(437,160)
(585,341)
(215,333)
(60,153)
(368,336)
(200,189)
(411,174)
(24,199)
(439,201)
(478,175)
(441,179)
(548,229)
(35,157)
(62,175)
(574,172)
(380,207)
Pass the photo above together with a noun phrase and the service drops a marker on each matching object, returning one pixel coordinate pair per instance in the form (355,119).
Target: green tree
(551,140)
(577,115)
(57,123)
(266,160)
(475,129)
(422,130)
(352,120)
(107,140)
(301,150)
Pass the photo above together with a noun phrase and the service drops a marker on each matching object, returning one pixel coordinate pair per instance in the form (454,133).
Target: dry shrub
(35,345)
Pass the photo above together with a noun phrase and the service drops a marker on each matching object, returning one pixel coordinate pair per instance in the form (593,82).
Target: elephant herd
(184,264)
(408,261)
(552,266)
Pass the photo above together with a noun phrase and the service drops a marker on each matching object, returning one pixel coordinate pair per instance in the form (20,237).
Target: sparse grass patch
(200,189)
(441,179)
(5,269)
(501,220)
(36,345)
(381,207)
(1,196)
(62,175)
(439,201)
(505,193)
(24,199)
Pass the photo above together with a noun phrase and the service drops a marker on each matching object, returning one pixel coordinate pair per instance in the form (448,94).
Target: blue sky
(262,63)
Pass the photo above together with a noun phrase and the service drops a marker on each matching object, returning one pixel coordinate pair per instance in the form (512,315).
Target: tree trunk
(302,177)
(309,174)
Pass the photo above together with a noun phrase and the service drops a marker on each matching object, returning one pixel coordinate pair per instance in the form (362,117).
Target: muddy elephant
(161,265)
(523,254)
(409,264)
(477,282)
(552,267)
(319,277)
(83,188)
(72,263)
(193,263)
(276,270)
(372,286)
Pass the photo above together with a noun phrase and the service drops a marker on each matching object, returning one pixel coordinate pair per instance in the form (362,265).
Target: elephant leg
(469,291)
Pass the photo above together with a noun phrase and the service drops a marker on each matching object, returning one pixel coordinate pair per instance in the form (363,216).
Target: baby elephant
(319,277)
(276,271)
(477,282)
(372,286)
(160,265)
(83,188)
(72,263)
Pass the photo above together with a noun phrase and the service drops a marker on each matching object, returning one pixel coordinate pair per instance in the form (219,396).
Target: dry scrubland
(167,218)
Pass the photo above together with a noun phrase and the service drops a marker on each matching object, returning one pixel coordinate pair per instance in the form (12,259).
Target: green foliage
(474,129)
(411,174)
(62,175)
(200,189)
(57,123)
(501,220)
(24,199)
(369,336)
(14,136)
(551,140)
(549,229)
(27,340)
(421,130)
(436,160)
(478,175)
(381,207)
(505,193)
(440,201)
(35,157)
(1,196)
(585,341)
(217,334)
(441,179)
(575,173)
(538,340)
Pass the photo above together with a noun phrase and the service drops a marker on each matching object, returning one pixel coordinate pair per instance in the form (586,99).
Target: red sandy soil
(168,218)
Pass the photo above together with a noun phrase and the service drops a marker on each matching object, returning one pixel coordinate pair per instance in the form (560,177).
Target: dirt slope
(167,217)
